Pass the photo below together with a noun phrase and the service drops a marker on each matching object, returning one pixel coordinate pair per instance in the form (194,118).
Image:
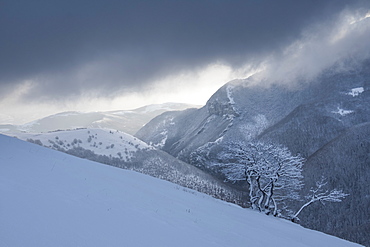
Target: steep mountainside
(236,110)
(314,123)
(241,109)
(345,161)
(304,117)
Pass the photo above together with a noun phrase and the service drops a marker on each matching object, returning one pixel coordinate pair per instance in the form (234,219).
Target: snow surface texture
(53,199)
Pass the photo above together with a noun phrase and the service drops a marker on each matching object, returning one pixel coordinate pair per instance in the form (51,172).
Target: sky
(90,55)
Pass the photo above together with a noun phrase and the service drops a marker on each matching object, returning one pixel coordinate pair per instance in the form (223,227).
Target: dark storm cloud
(70,47)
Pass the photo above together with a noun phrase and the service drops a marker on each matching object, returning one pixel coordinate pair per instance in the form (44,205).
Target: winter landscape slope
(104,142)
(122,150)
(304,117)
(53,199)
(128,121)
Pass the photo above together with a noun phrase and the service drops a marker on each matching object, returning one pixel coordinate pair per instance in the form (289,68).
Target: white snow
(66,114)
(229,89)
(28,126)
(163,140)
(170,106)
(156,107)
(100,141)
(122,113)
(342,112)
(356,91)
(49,198)
(254,127)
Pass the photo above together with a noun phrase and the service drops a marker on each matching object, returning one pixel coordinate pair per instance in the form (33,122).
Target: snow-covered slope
(111,143)
(122,150)
(128,121)
(49,198)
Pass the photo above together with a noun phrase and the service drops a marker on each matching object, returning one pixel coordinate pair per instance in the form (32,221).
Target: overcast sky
(117,54)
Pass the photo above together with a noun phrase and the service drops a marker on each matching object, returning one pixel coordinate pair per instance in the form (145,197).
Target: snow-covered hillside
(122,150)
(49,198)
(111,143)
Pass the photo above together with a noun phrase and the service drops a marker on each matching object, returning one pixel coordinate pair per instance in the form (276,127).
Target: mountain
(242,109)
(345,161)
(128,121)
(54,199)
(122,150)
(304,117)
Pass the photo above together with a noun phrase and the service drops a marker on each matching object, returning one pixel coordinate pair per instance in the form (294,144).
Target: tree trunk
(295,216)
(263,197)
(270,199)
(252,198)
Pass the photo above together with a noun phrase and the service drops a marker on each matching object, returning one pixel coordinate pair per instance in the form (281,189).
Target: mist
(341,43)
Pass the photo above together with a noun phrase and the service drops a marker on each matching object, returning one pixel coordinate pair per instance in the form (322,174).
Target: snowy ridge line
(129,121)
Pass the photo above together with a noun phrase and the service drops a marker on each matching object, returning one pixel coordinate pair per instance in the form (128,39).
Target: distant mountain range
(128,121)
(325,120)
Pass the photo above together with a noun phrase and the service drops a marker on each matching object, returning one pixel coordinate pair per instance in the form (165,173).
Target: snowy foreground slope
(122,150)
(49,198)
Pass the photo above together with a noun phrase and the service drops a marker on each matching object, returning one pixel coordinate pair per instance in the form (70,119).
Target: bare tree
(272,172)
(319,194)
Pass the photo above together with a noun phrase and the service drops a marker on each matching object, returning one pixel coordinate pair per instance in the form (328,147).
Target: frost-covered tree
(320,194)
(272,172)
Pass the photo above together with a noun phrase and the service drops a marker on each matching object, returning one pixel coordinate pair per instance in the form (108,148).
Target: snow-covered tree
(272,172)
(320,194)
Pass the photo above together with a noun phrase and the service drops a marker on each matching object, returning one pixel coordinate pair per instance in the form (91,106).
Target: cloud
(342,42)
(72,48)
(91,55)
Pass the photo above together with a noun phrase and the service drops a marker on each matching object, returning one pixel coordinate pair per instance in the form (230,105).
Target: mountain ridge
(128,121)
